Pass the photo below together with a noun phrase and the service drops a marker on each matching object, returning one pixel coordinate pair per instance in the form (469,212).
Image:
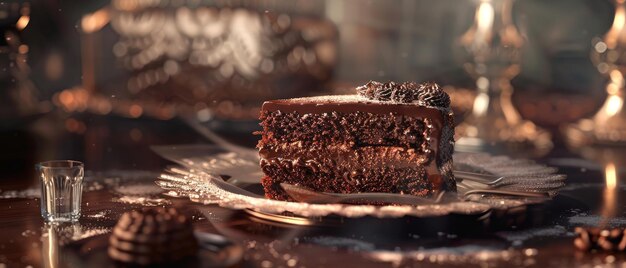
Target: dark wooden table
(540,236)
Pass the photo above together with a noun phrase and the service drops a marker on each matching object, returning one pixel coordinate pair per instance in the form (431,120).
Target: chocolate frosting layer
(428,93)
(349,104)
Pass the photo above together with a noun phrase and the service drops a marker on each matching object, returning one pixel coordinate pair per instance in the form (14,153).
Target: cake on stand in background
(201,61)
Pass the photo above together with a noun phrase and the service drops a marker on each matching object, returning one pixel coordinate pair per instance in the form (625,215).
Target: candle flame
(484,21)
(484,16)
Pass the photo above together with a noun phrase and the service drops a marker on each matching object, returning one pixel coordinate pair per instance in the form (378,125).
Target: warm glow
(616,28)
(612,89)
(67,99)
(611,176)
(482,83)
(22,49)
(600,47)
(135,111)
(126,5)
(51,248)
(103,106)
(610,194)
(22,22)
(617,82)
(616,77)
(95,21)
(484,30)
(618,22)
(510,113)
(614,104)
(481,103)
(484,20)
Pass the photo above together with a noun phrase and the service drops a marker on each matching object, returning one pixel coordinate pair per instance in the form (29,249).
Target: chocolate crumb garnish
(590,238)
(428,93)
(431,94)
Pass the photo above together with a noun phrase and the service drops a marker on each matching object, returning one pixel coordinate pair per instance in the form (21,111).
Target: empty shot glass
(61,189)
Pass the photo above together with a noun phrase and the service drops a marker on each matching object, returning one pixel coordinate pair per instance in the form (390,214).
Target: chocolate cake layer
(321,177)
(348,157)
(356,129)
(351,143)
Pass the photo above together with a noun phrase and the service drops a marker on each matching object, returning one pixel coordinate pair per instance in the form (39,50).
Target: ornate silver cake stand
(203,169)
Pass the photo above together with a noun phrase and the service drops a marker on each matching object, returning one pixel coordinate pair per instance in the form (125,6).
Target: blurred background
(101,81)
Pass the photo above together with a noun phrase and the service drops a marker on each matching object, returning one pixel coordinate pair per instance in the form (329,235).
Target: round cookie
(151,236)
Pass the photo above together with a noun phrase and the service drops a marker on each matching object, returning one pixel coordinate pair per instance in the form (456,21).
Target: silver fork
(302,194)
(477,177)
(466,192)
(549,181)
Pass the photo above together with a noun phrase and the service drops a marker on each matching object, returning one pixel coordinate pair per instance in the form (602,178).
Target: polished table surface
(538,236)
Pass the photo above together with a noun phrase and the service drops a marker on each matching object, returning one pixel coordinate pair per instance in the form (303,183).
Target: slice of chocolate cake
(390,137)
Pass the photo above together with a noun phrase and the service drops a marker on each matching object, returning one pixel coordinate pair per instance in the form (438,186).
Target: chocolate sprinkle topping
(594,238)
(428,93)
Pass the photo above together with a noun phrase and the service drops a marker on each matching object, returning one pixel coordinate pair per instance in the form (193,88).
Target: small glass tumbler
(61,189)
